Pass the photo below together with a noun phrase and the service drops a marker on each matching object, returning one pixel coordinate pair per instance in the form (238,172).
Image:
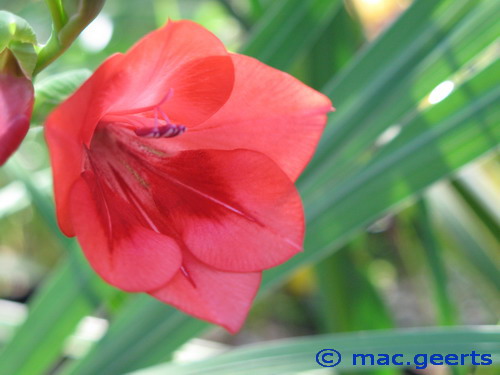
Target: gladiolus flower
(16,104)
(174,166)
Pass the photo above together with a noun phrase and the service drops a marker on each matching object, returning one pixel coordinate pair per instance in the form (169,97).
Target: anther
(163,131)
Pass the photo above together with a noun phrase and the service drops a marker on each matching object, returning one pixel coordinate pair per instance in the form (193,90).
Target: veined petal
(234,210)
(69,127)
(219,297)
(16,103)
(200,89)
(183,57)
(177,185)
(269,111)
(119,247)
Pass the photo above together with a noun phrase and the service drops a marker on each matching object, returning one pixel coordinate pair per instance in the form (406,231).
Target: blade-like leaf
(434,256)
(72,292)
(157,320)
(463,232)
(299,354)
(392,96)
(336,212)
(287,28)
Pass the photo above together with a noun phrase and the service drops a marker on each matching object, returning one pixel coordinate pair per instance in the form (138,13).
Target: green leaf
(348,299)
(434,257)
(478,204)
(72,292)
(148,335)
(54,89)
(475,246)
(14,28)
(336,46)
(461,130)
(377,95)
(299,354)
(288,28)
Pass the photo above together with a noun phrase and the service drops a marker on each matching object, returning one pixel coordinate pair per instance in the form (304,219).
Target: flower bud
(17,61)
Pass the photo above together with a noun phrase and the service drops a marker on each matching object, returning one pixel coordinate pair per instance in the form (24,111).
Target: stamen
(163,131)
(162,126)
(163,114)
(168,130)
(170,93)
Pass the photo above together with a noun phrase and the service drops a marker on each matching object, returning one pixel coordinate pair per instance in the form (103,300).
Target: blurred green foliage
(402,198)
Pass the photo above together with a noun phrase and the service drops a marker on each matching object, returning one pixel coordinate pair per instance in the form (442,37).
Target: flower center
(147,122)
(119,152)
(121,164)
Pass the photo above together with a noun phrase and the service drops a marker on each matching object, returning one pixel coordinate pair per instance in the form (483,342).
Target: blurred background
(402,198)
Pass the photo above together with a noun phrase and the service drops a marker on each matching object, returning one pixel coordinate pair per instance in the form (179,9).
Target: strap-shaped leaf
(291,356)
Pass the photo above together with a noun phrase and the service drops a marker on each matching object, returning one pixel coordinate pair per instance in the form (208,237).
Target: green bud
(17,44)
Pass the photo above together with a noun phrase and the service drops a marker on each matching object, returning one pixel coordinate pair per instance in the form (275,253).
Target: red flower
(16,104)
(174,167)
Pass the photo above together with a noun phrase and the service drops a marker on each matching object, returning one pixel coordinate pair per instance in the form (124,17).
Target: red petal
(269,111)
(16,104)
(69,127)
(223,298)
(124,253)
(201,87)
(234,210)
(182,56)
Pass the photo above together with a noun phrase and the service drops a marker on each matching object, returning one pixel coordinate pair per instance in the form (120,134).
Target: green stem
(59,17)
(63,36)
(48,53)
